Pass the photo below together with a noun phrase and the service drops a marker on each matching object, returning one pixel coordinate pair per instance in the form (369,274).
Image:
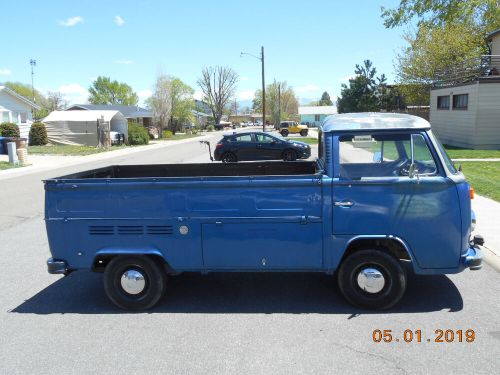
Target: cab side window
(244,138)
(383,156)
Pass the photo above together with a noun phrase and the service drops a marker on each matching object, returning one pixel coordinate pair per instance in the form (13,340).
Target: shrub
(167,134)
(8,129)
(194,131)
(38,135)
(210,128)
(137,134)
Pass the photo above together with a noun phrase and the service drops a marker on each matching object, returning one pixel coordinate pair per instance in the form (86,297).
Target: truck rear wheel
(134,282)
(303,132)
(228,157)
(372,279)
(284,132)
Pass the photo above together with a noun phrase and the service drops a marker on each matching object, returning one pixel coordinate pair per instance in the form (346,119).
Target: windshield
(446,158)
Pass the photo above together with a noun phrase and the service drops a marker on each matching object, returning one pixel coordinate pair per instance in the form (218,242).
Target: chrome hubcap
(133,282)
(371,280)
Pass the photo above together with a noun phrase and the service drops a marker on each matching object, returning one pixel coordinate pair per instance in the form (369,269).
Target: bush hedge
(210,128)
(167,134)
(38,135)
(137,134)
(8,129)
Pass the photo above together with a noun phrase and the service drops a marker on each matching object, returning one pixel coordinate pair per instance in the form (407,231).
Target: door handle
(343,204)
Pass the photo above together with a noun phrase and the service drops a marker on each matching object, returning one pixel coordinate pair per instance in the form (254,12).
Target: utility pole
(263,91)
(33,64)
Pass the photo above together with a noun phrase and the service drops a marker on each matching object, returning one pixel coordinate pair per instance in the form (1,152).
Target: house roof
(492,34)
(128,111)
(373,121)
(318,110)
(19,97)
(83,116)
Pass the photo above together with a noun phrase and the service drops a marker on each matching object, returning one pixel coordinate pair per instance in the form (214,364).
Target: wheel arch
(393,245)
(103,257)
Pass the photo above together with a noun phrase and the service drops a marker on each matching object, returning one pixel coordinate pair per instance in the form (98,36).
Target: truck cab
(382,199)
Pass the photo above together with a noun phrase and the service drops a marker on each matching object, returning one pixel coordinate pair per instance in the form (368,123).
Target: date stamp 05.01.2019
(417,336)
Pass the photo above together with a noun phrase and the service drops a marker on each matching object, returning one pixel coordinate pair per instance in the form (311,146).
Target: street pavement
(222,323)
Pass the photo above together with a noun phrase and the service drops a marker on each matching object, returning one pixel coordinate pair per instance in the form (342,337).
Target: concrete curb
(491,258)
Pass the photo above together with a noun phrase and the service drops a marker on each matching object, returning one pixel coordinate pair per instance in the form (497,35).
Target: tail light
(218,145)
(471,192)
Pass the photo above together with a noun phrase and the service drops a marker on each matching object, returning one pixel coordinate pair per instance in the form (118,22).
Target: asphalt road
(223,323)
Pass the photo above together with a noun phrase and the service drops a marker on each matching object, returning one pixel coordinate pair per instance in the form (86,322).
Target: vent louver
(101,230)
(130,229)
(159,229)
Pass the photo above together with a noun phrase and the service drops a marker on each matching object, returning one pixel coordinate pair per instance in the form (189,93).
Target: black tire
(284,132)
(289,155)
(228,157)
(303,132)
(154,277)
(391,269)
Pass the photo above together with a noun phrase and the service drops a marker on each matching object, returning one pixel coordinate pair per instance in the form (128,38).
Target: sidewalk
(39,163)
(488,223)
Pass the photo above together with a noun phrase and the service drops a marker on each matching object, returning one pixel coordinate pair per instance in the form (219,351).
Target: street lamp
(261,58)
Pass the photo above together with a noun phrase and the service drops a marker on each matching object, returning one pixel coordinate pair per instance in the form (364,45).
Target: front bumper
(473,258)
(57,266)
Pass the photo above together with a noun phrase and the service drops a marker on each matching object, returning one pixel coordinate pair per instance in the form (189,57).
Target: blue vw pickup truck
(382,193)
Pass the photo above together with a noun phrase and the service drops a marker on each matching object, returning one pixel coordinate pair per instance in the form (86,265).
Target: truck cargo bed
(277,168)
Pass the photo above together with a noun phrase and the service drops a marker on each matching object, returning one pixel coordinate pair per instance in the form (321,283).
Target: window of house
(460,101)
(15,117)
(316,117)
(443,102)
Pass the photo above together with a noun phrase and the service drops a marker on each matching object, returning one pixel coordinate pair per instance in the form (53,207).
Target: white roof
(83,115)
(373,121)
(21,98)
(318,110)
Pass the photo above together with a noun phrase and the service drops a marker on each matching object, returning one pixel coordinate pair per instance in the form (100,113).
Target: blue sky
(313,45)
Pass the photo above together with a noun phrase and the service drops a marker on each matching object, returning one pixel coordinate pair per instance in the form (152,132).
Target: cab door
(393,185)
(268,148)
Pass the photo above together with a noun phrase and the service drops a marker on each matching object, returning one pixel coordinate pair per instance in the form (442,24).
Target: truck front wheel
(134,282)
(372,279)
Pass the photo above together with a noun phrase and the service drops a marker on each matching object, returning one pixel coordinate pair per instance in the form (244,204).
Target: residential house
(130,112)
(16,109)
(465,102)
(314,115)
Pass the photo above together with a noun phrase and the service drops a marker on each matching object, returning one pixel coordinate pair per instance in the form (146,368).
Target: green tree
(105,91)
(482,13)
(281,101)
(325,99)
(366,92)
(172,103)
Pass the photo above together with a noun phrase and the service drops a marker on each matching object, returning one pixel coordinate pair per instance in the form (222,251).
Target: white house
(16,109)
(465,108)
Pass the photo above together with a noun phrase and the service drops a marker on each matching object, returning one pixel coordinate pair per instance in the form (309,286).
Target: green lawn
(7,165)
(484,177)
(67,150)
(465,153)
(308,140)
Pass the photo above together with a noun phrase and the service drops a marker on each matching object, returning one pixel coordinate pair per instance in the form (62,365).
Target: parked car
(292,127)
(383,199)
(259,146)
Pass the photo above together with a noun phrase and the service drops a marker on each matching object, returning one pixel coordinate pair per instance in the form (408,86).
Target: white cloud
(72,21)
(306,89)
(119,21)
(246,95)
(144,94)
(126,62)
(5,72)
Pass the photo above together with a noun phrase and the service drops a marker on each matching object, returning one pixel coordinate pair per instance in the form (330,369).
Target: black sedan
(259,146)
